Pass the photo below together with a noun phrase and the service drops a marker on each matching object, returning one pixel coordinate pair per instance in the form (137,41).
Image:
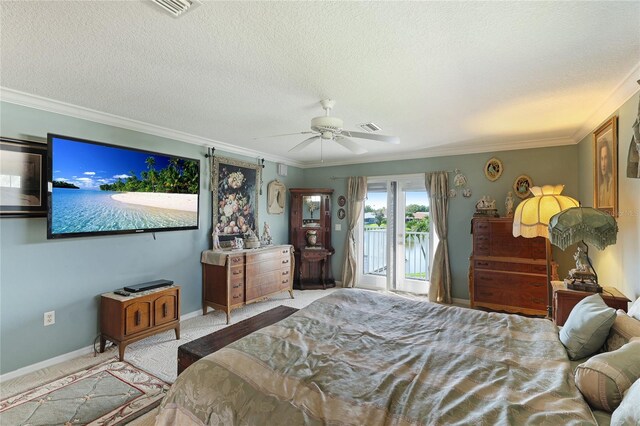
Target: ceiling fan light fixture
(326,123)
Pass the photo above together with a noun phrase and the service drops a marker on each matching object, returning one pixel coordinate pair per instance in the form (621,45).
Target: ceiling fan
(328,128)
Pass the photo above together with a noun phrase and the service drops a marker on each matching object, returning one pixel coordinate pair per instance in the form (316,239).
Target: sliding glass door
(394,238)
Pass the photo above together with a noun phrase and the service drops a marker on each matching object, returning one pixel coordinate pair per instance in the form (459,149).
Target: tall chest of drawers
(507,273)
(233,279)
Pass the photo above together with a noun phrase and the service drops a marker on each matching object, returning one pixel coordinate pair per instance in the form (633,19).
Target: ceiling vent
(370,127)
(177,7)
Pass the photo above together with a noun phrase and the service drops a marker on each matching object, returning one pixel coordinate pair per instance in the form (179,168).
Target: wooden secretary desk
(310,234)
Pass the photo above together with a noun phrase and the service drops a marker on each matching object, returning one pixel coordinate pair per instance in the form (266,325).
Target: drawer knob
(164,310)
(237,272)
(483,263)
(137,318)
(285,281)
(285,261)
(237,296)
(285,272)
(237,286)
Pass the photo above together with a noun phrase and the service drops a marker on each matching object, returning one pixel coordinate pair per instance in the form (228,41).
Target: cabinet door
(137,317)
(165,309)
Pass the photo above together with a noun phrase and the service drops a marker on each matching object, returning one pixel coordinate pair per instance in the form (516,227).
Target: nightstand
(564,300)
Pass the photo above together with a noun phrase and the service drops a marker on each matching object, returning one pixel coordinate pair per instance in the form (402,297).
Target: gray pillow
(587,327)
(605,377)
(628,413)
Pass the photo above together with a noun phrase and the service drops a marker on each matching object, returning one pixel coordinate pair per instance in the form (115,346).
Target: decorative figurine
(216,238)
(486,207)
(266,234)
(508,204)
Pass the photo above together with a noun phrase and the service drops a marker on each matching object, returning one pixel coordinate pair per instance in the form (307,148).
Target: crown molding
(446,150)
(58,107)
(622,93)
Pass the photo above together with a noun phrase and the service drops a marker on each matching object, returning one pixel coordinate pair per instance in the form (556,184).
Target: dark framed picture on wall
(23,186)
(235,197)
(605,165)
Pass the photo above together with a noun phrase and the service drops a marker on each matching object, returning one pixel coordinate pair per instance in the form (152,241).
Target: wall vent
(177,7)
(370,127)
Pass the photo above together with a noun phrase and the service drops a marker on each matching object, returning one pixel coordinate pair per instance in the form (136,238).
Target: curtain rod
(347,177)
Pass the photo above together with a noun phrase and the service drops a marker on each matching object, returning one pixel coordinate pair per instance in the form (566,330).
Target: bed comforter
(359,357)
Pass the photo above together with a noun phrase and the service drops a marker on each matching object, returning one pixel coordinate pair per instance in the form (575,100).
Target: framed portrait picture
(23,185)
(605,167)
(235,197)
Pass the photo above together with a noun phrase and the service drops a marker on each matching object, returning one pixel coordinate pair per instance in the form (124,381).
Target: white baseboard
(461,302)
(69,355)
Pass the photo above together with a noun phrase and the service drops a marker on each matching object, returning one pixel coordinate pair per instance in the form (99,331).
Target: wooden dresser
(126,319)
(507,273)
(231,279)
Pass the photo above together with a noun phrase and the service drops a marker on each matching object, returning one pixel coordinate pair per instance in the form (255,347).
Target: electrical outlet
(49,318)
(338,227)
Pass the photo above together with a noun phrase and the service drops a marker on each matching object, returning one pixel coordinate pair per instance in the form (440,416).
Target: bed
(360,357)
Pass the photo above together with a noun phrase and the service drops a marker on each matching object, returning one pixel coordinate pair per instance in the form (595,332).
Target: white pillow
(634,311)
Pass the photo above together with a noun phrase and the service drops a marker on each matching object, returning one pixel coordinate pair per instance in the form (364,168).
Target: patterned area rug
(111,393)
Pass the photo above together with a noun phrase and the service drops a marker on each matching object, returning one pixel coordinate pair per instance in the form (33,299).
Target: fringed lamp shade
(532,216)
(583,224)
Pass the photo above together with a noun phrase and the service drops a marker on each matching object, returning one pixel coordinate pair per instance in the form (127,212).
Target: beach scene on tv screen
(98,188)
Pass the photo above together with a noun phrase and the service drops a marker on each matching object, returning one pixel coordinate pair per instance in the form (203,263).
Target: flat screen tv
(100,189)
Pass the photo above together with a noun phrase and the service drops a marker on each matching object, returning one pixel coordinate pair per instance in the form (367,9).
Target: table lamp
(580,224)
(531,220)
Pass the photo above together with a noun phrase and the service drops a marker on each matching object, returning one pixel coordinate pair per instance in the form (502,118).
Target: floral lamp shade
(532,216)
(583,224)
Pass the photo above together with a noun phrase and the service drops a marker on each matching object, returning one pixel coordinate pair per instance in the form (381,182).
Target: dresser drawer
(284,252)
(257,268)
(236,260)
(510,266)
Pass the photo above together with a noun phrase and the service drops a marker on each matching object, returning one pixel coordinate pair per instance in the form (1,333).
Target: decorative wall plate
(341,214)
(521,186)
(493,169)
(342,200)
(466,193)
(452,193)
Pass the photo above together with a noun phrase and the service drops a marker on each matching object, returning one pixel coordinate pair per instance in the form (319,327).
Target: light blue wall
(618,265)
(68,275)
(557,165)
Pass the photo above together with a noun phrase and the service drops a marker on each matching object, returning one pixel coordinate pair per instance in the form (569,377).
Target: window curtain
(437,184)
(356,193)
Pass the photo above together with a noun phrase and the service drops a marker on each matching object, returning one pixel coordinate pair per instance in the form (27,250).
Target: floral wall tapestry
(235,197)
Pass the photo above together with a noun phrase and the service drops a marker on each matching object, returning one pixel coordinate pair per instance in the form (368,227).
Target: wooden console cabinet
(311,214)
(126,319)
(507,273)
(564,300)
(233,279)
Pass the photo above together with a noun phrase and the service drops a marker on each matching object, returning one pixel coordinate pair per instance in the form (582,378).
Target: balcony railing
(416,253)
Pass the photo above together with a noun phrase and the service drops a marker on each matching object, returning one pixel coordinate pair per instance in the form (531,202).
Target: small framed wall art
(23,181)
(493,169)
(341,214)
(521,186)
(342,200)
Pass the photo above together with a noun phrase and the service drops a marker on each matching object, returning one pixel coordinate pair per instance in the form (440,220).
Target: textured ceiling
(436,74)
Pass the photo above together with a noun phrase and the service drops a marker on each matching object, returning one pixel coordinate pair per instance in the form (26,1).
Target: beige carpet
(158,354)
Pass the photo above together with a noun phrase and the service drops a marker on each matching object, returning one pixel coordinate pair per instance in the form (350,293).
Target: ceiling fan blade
(350,145)
(304,144)
(382,138)
(286,134)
